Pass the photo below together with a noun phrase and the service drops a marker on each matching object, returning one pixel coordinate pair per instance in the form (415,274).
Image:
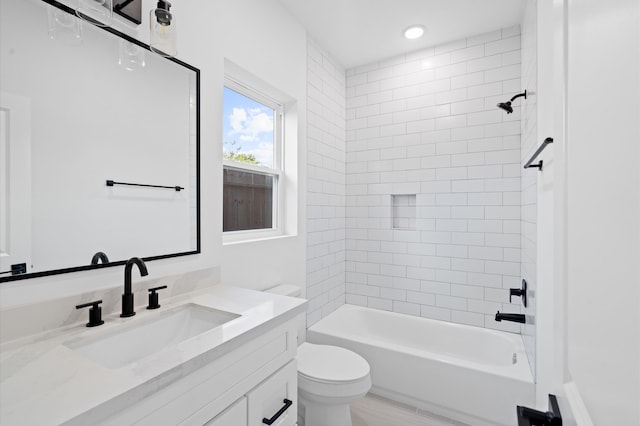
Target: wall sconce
(131,56)
(163,30)
(98,12)
(64,27)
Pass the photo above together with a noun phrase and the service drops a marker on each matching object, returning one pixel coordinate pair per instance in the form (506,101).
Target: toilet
(329,379)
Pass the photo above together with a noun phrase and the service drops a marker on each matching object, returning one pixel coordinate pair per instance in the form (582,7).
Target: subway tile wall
(326,183)
(426,124)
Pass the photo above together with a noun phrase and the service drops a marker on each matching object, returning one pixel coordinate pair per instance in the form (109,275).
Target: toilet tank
(286,290)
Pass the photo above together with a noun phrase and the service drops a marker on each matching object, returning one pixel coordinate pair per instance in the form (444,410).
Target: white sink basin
(129,343)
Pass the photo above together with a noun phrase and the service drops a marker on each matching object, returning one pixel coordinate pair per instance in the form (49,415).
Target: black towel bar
(111,183)
(541,148)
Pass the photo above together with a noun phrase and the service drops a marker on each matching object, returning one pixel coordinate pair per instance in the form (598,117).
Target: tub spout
(510,317)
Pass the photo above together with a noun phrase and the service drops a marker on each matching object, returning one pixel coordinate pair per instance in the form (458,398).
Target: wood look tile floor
(373,410)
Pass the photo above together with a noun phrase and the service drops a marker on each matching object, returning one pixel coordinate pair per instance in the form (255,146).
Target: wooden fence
(248,201)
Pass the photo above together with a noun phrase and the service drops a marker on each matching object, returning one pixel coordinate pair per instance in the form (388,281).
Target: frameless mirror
(80,106)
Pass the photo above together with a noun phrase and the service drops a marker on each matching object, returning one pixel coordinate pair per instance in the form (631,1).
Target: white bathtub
(470,374)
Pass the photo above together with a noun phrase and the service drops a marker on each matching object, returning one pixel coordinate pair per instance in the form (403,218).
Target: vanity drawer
(276,395)
(235,415)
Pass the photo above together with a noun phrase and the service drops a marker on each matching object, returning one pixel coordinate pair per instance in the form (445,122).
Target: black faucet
(510,317)
(127,297)
(98,257)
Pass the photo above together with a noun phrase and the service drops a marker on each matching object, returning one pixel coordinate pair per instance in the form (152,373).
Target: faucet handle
(95,313)
(153,297)
(520,292)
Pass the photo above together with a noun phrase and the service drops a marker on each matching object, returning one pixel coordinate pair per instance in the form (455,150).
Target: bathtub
(470,374)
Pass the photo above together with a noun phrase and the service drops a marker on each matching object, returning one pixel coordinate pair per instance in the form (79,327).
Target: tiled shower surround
(325,183)
(425,127)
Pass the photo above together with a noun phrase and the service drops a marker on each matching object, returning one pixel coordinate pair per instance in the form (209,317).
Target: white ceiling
(358,32)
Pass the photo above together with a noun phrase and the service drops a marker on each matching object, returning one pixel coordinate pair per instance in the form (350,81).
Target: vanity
(237,369)
(102,169)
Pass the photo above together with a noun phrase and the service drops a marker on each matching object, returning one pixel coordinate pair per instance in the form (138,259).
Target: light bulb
(163,30)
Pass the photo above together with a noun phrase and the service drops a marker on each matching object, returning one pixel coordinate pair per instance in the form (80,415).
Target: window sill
(241,237)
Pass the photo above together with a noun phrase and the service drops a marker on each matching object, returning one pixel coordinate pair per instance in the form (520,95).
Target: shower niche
(403,211)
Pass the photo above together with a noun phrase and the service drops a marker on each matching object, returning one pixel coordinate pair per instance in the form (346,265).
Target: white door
(15,181)
(588,322)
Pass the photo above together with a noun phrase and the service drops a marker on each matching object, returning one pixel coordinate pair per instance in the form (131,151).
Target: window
(252,159)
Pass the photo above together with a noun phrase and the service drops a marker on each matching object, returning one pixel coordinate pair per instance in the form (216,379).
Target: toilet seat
(330,364)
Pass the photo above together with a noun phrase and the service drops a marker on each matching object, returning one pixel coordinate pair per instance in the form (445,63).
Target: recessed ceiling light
(414,31)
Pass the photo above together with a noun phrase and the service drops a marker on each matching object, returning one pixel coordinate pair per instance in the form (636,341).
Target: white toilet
(329,379)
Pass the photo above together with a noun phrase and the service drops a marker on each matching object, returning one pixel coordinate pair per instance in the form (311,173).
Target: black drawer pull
(287,404)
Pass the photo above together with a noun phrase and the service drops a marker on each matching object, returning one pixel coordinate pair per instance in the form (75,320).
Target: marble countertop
(43,381)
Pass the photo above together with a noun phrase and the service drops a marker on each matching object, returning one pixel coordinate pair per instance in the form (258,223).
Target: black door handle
(529,417)
(287,404)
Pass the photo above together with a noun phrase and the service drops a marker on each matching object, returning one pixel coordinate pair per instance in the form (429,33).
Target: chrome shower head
(507,105)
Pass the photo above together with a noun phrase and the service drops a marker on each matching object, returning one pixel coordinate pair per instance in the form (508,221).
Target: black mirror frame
(117,33)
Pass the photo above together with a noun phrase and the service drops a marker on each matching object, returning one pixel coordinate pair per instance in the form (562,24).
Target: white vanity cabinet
(272,396)
(242,387)
(236,373)
(234,415)
(272,399)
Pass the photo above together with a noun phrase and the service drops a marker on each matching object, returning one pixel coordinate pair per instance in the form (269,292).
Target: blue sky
(249,124)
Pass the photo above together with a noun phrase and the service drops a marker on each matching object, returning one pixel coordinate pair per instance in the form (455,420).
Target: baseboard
(576,405)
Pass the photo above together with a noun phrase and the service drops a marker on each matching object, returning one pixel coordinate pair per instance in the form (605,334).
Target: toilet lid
(330,363)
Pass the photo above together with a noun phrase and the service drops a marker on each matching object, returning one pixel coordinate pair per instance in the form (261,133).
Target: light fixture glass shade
(131,56)
(98,12)
(163,30)
(64,27)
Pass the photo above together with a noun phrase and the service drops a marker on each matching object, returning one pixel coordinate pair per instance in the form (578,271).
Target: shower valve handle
(515,292)
(520,292)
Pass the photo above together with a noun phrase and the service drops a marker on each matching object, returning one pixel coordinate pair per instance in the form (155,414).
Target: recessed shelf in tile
(403,211)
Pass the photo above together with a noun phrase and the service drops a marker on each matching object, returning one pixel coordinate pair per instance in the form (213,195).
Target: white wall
(326,184)
(261,37)
(603,222)
(528,183)
(426,123)
(549,306)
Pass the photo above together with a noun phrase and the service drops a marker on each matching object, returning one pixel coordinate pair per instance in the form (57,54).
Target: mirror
(79,106)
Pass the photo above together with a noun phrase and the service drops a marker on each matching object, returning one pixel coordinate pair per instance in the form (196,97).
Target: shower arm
(519,95)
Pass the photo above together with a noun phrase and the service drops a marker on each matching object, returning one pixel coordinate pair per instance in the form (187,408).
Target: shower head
(507,105)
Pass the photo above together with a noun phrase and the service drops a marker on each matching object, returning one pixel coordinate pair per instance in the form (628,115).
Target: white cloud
(237,119)
(250,125)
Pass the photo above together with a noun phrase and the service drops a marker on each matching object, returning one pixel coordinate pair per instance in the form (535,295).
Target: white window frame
(277,172)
